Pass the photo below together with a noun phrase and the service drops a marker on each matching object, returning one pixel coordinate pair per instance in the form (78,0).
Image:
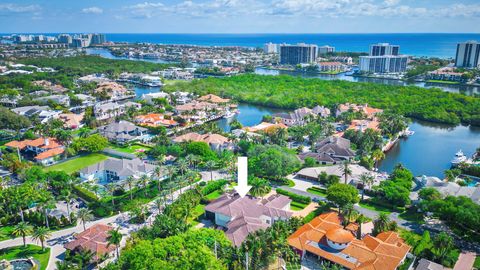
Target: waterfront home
(71,120)
(117,170)
(216,142)
(93,239)
(213,99)
(108,110)
(155,120)
(182,97)
(177,73)
(364,124)
(445,188)
(113,90)
(265,127)
(331,67)
(150,97)
(50,86)
(43,113)
(123,132)
(325,239)
(368,111)
(241,216)
(86,100)
(9,101)
(43,150)
(295,118)
(93,78)
(331,150)
(446,74)
(321,111)
(59,99)
(312,173)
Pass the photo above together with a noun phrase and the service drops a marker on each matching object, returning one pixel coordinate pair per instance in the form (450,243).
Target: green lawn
(30,251)
(76,164)
(5,232)
(296,206)
(131,149)
(375,207)
(317,191)
(198,211)
(214,195)
(440,81)
(476,264)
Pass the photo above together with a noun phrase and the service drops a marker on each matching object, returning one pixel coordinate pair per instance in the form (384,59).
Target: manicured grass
(30,251)
(440,81)
(296,206)
(5,232)
(291,183)
(375,207)
(198,211)
(131,149)
(476,264)
(317,191)
(214,195)
(76,164)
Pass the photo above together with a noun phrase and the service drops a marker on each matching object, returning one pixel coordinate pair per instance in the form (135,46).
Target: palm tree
(84,215)
(85,256)
(210,165)
(381,224)
(130,181)
(443,243)
(110,188)
(114,238)
(83,132)
(182,166)
(41,234)
(143,181)
(360,220)
(348,211)
(260,187)
(22,229)
(95,188)
(47,203)
(68,197)
(346,171)
(377,155)
(367,180)
(158,173)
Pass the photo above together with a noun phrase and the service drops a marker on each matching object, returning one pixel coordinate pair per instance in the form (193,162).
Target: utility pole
(215,246)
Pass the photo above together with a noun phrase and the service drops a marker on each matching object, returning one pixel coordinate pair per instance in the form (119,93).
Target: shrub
(213,186)
(295,197)
(85,194)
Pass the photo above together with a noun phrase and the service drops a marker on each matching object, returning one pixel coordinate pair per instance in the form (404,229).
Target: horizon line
(246,33)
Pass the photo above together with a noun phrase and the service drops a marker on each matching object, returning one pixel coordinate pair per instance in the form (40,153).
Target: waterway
(427,152)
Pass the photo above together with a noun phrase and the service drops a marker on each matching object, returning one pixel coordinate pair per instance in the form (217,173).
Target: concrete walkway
(465,261)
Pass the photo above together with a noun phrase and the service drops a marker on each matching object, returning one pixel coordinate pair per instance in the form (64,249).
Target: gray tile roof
(123,167)
(336,146)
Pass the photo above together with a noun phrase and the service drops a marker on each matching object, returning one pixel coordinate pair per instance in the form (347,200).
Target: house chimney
(45,141)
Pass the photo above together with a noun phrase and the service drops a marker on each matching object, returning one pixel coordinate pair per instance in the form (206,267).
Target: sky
(240,16)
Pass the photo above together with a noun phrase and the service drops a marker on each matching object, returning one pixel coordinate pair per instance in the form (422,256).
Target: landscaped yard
(30,251)
(375,207)
(214,195)
(131,149)
(317,191)
(76,164)
(296,206)
(196,213)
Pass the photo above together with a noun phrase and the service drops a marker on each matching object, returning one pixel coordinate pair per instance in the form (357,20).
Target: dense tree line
(293,92)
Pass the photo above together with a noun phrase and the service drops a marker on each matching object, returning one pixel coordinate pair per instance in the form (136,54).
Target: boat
(459,158)
(228,114)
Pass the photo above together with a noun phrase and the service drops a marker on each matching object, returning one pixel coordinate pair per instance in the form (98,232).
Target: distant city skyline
(240,16)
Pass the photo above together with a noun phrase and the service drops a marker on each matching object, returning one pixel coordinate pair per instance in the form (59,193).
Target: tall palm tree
(158,174)
(377,155)
(443,243)
(22,229)
(85,257)
(130,181)
(110,188)
(45,204)
(41,234)
(346,170)
(182,166)
(260,187)
(210,165)
(143,181)
(367,180)
(84,215)
(381,224)
(114,238)
(360,220)
(68,197)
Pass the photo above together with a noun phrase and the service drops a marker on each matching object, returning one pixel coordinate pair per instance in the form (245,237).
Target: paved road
(57,239)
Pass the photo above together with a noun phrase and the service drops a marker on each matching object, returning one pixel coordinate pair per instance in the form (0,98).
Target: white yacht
(229,114)
(459,158)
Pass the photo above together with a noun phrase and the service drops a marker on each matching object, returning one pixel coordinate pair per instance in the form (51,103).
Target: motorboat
(459,158)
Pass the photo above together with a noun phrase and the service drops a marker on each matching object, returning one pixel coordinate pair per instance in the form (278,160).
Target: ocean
(431,45)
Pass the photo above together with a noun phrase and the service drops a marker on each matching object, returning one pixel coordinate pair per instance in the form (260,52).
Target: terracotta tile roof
(207,138)
(93,239)
(39,143)
(71,120)
(266,127)
(154,120)
(384,252)
(50,153)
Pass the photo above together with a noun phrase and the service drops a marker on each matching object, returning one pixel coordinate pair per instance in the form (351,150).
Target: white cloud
(295,8)
(8,8)
(92,10)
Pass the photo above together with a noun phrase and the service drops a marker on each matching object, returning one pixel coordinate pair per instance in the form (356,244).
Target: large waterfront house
(213,99)
(216,142)
(313,173)
(155,120)
(331,150)
(150,97)
(43,113)
(296,118)
(116,170)
(240,216)
(445,188)
(108,110)
(265,127)
(369,112)
(43,150)
(71,120)
(124,132)
(325,239)
(93,239)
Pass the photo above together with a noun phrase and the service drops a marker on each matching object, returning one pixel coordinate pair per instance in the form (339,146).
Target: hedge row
(85,194)
(213,186)
(295,197)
